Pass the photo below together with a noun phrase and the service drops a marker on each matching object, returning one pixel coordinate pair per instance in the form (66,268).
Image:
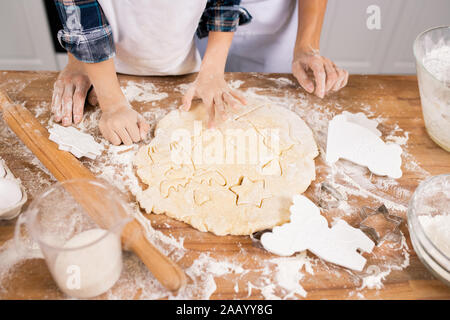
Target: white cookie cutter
(74,141)
(354,137)
(308,230)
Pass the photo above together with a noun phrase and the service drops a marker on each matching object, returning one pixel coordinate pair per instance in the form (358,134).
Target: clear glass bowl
(76,225)
(434,91)
(429,225)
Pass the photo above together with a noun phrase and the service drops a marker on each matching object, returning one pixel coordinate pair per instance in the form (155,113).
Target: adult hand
(69,94)
(318,74)
(216,95)
(120,123)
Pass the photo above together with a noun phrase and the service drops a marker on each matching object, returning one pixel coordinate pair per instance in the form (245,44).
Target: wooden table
(395,98)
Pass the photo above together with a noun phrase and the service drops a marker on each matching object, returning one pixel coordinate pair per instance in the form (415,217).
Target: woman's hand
(69,93)
(217,96)
(317,74)
(120,123)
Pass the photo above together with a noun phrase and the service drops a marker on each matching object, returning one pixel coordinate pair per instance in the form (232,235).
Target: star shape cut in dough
(250,192)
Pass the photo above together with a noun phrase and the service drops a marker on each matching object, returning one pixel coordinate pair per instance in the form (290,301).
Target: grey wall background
(347,40)
(26,40)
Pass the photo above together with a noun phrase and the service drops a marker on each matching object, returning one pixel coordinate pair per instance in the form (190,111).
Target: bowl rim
(413,217)
(60,184)
(423,257)
(445,26)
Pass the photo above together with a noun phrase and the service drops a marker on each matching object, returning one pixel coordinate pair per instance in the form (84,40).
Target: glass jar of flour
(76,225)
(432,52)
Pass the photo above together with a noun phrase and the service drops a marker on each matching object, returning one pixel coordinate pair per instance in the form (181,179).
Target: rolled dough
(236,179)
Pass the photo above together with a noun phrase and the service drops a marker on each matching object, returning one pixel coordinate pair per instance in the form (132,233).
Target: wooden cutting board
(395,98)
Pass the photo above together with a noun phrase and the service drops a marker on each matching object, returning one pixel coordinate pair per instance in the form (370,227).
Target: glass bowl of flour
(432,52)
(429,225)
(76,225)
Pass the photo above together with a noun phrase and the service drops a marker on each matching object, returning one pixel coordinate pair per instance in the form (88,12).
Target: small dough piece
(235,179)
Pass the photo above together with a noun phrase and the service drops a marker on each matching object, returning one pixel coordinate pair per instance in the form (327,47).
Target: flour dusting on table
(142,92)
(272,277)
(282,277)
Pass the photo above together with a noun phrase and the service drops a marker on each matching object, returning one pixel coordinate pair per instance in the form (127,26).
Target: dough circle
(215,179)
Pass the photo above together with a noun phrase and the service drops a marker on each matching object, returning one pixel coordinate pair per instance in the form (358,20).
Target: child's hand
(216,95)
(122,124)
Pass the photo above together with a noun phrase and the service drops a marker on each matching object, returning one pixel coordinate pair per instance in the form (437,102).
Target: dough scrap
(266,156)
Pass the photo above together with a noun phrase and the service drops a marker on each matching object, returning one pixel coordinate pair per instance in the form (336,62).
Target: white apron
(266,44)
(154,37)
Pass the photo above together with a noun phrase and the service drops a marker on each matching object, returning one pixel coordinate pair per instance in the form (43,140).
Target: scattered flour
(16,85)
(41,109)
(288,274)
(376,274)
(283,281)
(235,84)
(401,140)
(360,186)
(10,257)
(142,92)
(182,88)
(283,81)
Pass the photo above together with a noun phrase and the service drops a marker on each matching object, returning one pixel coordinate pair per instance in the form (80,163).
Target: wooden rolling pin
(64,166)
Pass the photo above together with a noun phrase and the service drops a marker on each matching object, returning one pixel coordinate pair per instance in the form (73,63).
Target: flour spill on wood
(142,92)
(243,272)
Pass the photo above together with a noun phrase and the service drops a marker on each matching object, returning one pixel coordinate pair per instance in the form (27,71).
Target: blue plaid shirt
(88,36)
